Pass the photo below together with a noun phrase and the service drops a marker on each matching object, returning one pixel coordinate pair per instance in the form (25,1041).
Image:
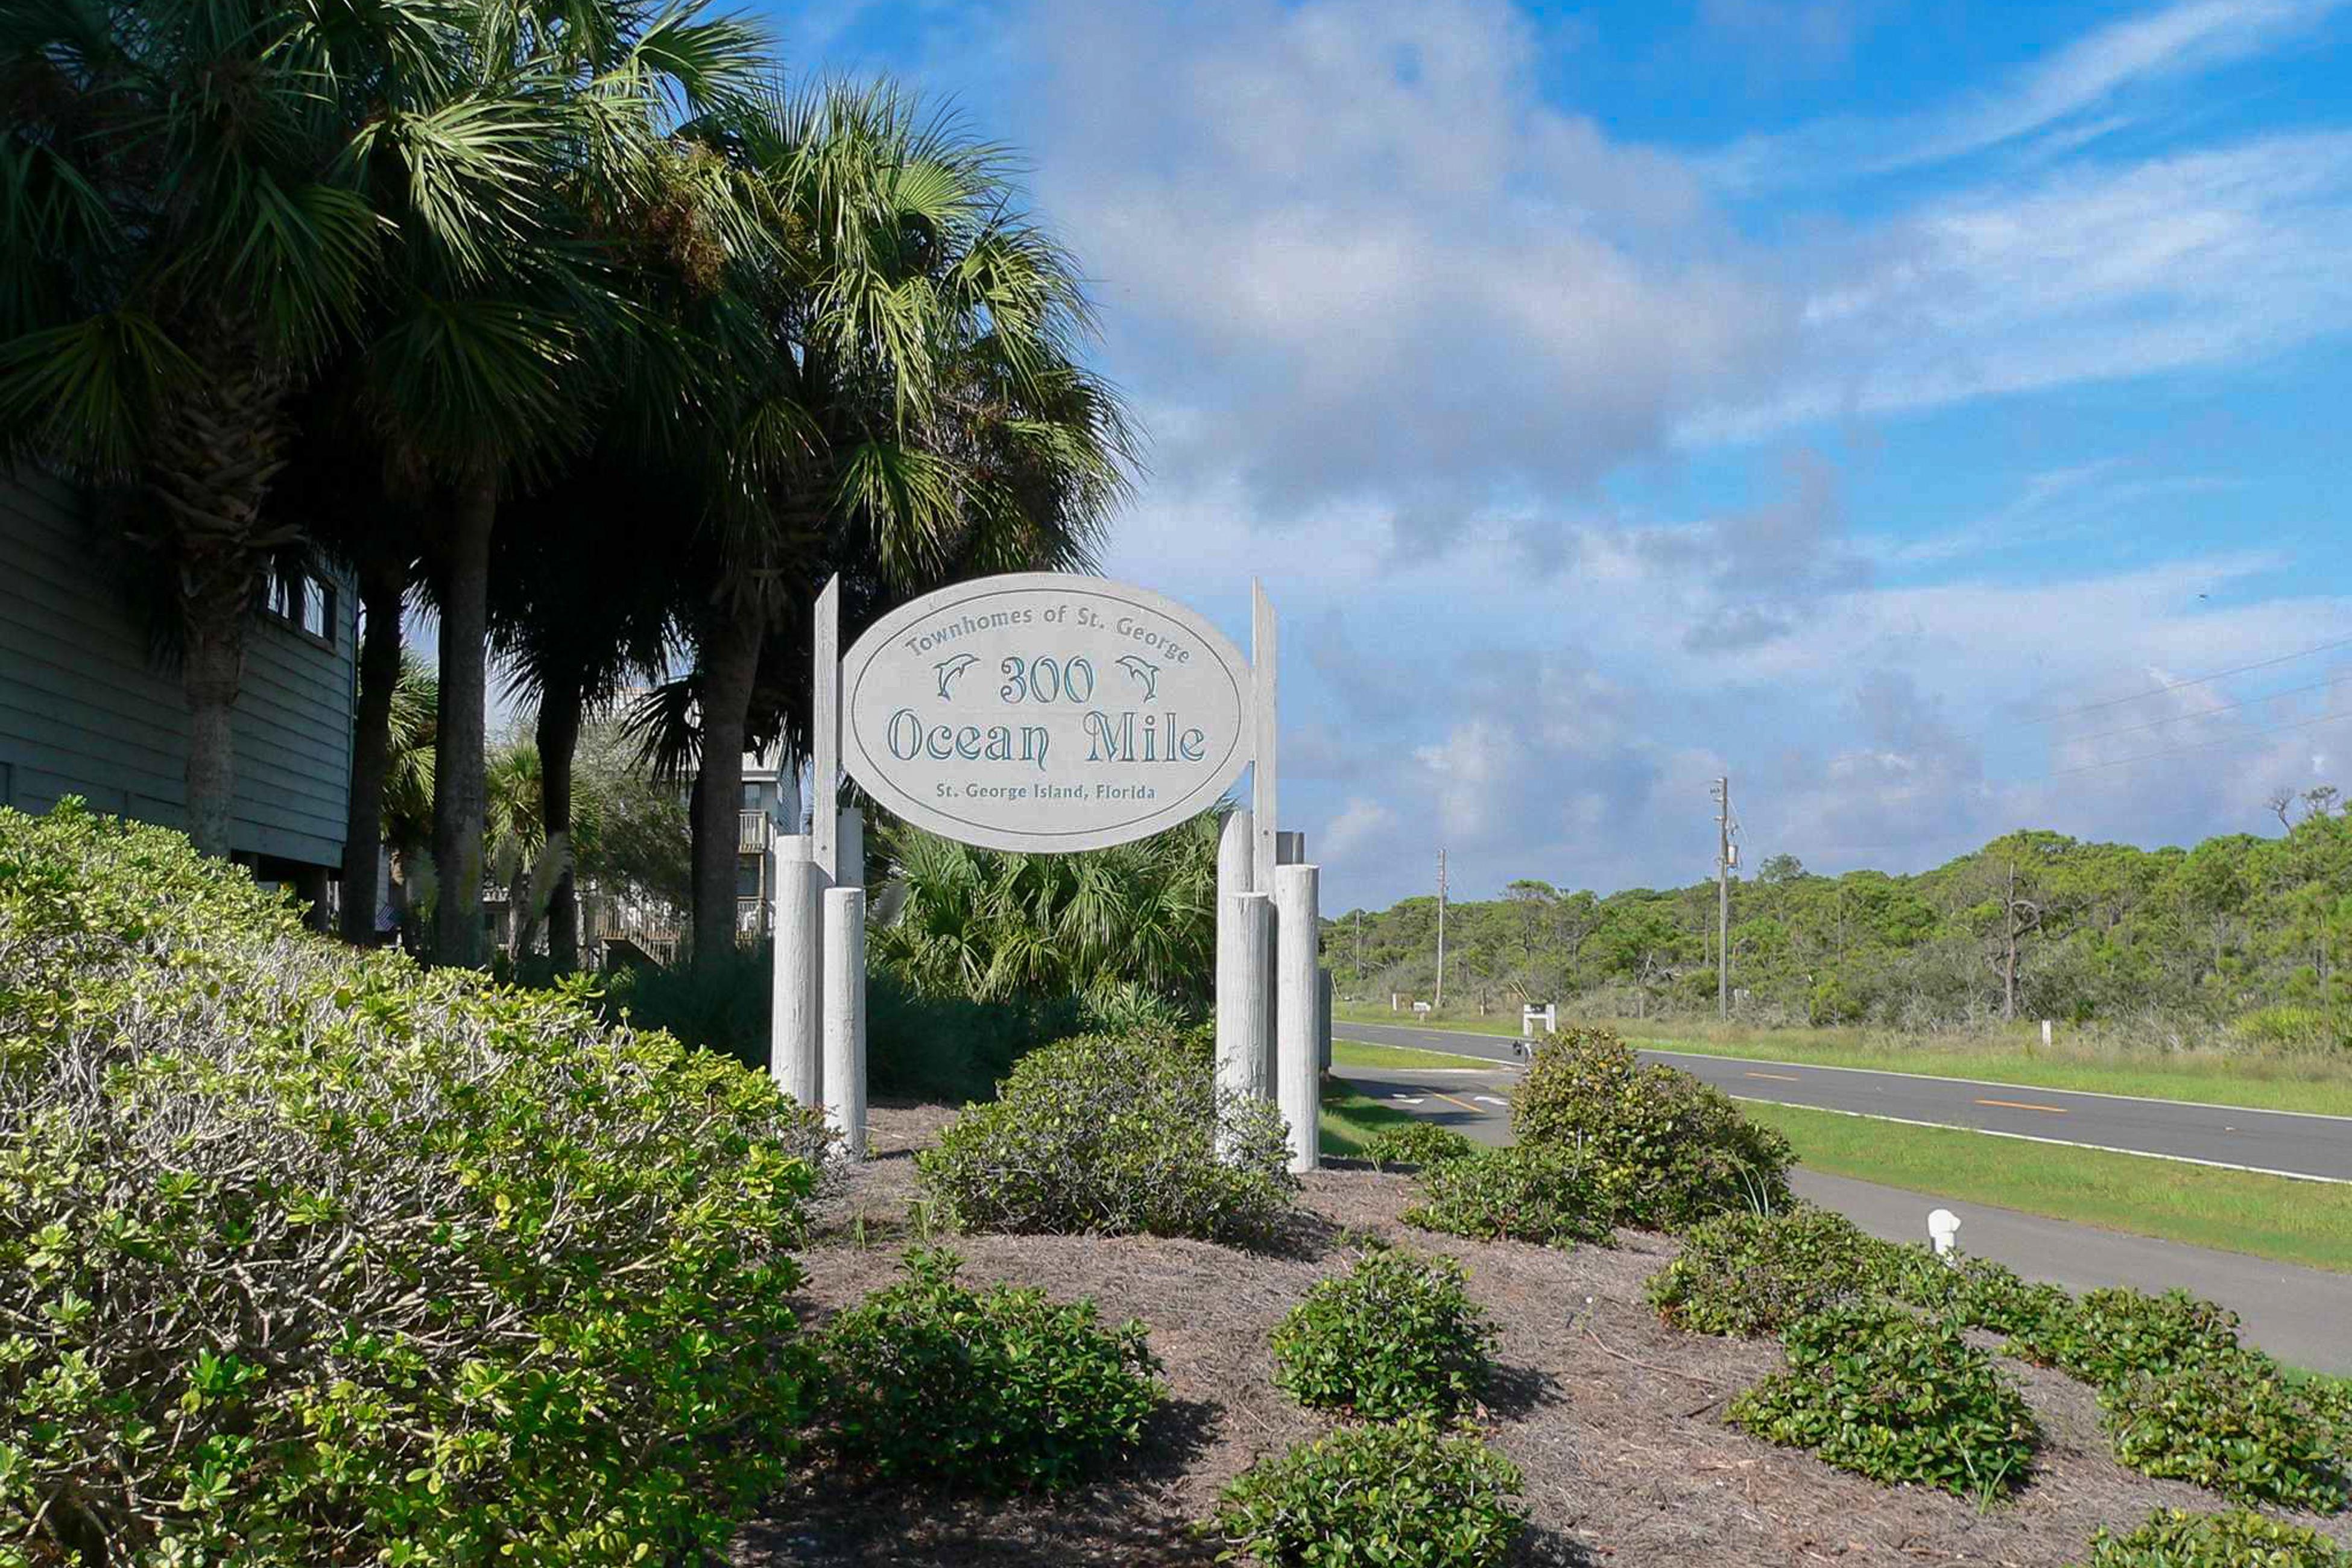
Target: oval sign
(1039,712)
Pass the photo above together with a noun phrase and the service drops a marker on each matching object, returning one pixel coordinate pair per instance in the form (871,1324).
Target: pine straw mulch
(1616,1419)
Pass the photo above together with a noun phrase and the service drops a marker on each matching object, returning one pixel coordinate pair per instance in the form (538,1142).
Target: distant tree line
(2241,930)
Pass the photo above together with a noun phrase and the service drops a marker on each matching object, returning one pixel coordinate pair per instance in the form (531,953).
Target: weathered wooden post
(794,1055)
(1244,991)
(1296,1013)
(849,848)
(845,1016)
(1245,1062)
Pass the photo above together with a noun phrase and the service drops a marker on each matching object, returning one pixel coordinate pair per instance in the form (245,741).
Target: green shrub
(2231,1422)
(307,1256)
(2112,1332)
(1397,1335)
(1669,1149)
(1375,1497)
(1415,1143)
(1876,1389)
(917,1048)
(1112,1134)
(1518,1193)
(1977,1290)
(1754,1274)
(1004,1390)
(2173,1538)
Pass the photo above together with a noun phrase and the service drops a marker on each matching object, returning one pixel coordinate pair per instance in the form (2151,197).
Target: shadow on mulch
(1516,1393)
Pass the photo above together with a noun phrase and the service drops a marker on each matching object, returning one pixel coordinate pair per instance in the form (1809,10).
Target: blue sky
(1836,394)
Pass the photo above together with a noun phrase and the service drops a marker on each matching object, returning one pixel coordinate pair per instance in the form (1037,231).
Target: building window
(304,602)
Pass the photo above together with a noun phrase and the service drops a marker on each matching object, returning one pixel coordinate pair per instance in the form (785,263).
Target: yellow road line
(1778,1077)
(2023,1105)
(1463,1103)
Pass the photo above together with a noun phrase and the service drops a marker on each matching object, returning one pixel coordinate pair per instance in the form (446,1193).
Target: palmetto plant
(198,201)
(1108,925)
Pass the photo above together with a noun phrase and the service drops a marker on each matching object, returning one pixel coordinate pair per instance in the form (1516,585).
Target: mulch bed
(1616,1419)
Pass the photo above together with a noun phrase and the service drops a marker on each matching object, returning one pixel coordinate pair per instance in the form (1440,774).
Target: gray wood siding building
(84,711)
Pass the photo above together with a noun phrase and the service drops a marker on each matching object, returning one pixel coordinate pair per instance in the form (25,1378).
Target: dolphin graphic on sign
(1145,674)
(948,669)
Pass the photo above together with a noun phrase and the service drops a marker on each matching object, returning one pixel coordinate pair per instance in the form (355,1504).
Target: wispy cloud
(2081,92)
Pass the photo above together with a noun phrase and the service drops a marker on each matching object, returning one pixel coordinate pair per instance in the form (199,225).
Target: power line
(2193,680)
(2184,750)
(2205,712)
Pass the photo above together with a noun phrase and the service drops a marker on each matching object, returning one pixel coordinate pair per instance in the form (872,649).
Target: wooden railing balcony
(752,831)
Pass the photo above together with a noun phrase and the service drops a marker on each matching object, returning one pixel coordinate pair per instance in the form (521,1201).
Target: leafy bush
(918,1047)
(1518,1193)
(2231,1422)
(1395,1497)
(1415,1143)
(1670,1151)
(1878,1391)
(1397,1335)
(306,1256)
(1753,1274)
(2110,1333)
(1977,1290)
(1004,1390)
(1112,1134)
(2173,1538)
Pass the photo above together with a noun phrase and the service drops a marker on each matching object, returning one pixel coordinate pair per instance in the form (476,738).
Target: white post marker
(1943,1234)
(793,1053)
(2045,1034)
(1295,1011)
(845,1016)
(849,848)
(824,740)
(1245,989)
(1244,1064)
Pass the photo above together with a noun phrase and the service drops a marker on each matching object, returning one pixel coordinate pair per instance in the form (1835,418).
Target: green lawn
(1349,1118)
(2308,1222)
(2266,1083)
(1364,1054)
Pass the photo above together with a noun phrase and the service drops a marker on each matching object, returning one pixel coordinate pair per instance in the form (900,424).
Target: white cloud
(2178,42)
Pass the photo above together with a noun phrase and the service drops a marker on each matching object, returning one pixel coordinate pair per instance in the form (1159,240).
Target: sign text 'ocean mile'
(1038,711)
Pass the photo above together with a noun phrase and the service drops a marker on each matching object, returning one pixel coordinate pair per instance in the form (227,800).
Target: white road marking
(1488,1100)
(2064,1142)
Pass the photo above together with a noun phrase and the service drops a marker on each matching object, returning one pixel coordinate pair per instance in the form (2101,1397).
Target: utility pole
(1439,1004)
(1723,898)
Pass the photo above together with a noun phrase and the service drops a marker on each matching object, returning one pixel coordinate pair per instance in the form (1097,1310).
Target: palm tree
(197,200)
(405,822)
(487,370)
(927,417)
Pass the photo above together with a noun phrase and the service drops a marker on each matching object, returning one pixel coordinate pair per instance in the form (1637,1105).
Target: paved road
(2280,1142)
(2301,1315)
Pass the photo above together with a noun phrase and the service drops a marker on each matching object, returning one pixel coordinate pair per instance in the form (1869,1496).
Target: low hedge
(307,1256)
(1753,1274)
(2108,1334)
(1521,1193)
(2231,1422)
(1878,1390)
(1669,1151)
(1002,1390)
(1398,1496)
(1415,1143)
(1397,1335)
(2173,1538)
(1975,1290)
(1114,1134)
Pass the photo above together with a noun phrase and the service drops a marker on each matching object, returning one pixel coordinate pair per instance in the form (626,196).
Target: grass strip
(1365,1054)
(1349,1118)
(2309,1223)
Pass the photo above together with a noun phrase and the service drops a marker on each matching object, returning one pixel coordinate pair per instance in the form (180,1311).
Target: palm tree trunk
(216,452)
(459,797)
(558,740)
(381,589)
(211,670)
(730,664)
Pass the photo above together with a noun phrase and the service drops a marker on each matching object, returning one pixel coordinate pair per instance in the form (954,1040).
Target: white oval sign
(1039,712)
